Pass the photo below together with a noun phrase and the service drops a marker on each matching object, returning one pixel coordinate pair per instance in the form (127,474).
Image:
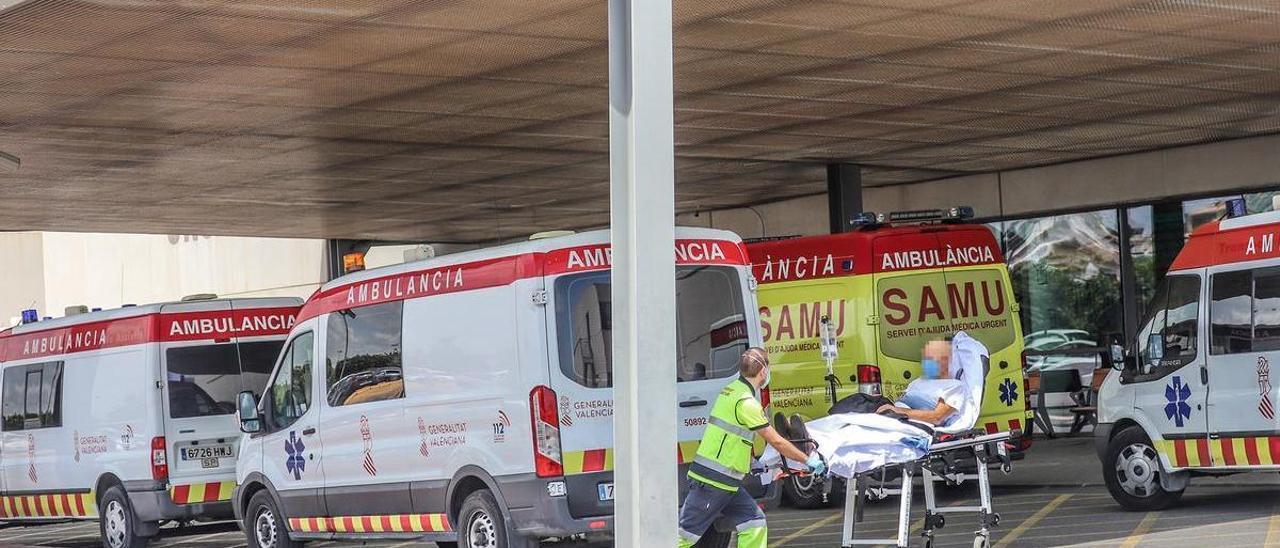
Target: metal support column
(844,195)
(642,221)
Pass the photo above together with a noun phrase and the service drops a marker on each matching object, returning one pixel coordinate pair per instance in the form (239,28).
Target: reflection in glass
(1065,271)
(363,357)
(711,330)
(1231,313)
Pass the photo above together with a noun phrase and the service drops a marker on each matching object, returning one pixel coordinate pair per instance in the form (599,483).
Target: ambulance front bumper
(151,502)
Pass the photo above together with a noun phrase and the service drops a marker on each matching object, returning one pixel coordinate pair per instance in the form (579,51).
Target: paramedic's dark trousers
(705,504)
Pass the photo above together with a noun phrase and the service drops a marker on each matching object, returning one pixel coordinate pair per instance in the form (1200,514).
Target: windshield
(204,380)
(711,330)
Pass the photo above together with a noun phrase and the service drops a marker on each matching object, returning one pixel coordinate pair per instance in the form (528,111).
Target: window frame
(1168,366)
(42,369)
(266,407)
(329,383)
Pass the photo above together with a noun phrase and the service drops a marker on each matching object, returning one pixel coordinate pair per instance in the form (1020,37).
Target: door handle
(698,402)
(187,431)
(308,431)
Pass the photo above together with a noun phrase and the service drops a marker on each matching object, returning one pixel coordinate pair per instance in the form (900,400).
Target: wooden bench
(1086,409)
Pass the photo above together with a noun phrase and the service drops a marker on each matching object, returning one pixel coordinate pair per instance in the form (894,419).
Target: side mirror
(1117,355)
(248,407)
(1155,349)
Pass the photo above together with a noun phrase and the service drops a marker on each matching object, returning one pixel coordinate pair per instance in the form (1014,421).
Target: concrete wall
(108,270)
(1215,168)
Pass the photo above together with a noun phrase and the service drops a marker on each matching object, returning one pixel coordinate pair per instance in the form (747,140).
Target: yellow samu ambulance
(886,288)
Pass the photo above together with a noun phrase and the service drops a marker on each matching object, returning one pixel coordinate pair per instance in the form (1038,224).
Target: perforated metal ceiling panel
(485,119)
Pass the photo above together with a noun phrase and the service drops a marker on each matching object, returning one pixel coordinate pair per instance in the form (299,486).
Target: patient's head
(938,352)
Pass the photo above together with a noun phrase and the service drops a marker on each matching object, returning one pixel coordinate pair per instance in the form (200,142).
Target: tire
(116,521)
(482,525)
(1132,472)
(264,526)
(714,538)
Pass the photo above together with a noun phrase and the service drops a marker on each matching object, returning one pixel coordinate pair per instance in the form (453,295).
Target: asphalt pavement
(1054,497)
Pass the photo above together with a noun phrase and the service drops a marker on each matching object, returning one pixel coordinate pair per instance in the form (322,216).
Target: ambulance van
(888,287)
(1195,396)
(127,416)
(467,399)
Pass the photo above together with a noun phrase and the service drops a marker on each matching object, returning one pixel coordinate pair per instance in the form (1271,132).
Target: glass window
(32,396)
(1065,271)
(1173,315)
(711,330)
(1231,313)
(204,380)
(363,354)
(290,394)
(1266,311)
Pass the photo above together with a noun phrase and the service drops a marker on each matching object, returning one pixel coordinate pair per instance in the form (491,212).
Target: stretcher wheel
(981,541)
(928,542)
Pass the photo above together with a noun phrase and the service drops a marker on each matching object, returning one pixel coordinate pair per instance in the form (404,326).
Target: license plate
(209,462)
(606,491)
(202,452)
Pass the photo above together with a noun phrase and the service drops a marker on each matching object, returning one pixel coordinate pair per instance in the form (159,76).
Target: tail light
(546,432)
(869,379)
(765,398)
(159,459)
(1026,392)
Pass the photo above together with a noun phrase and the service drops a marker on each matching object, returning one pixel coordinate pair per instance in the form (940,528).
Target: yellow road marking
(1140,531)
(1273,528)
(808,528)
(1032,521)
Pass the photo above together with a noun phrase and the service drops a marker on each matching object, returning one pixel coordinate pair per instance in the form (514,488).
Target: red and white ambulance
(468,398)
(128,415)
(1195,395)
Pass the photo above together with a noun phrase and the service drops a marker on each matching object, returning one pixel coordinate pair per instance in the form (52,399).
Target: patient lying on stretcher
(939,397)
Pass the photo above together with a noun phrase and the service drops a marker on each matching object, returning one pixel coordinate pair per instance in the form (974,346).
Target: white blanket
(857,442)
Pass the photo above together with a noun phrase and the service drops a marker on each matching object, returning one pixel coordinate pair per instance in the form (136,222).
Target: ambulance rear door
(977,300)
(204,365)
(910,289)
(712,331)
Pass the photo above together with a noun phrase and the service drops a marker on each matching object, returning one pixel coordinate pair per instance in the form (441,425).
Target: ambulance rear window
(204,380)
(711,332)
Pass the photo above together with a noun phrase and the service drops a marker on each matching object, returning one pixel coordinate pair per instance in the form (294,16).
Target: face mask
(930,368)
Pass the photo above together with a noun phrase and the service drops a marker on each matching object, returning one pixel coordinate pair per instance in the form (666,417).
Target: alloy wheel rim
(1137,469)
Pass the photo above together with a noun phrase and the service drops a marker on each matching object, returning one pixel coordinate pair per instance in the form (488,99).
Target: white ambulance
(468,398)
(1195,395)
(128,415)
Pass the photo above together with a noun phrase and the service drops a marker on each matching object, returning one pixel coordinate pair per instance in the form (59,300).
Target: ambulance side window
(32,396)
(1266,310)
(1231,313)
(290,391)
(362,354)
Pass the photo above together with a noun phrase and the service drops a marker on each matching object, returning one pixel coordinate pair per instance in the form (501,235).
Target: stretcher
(952,460)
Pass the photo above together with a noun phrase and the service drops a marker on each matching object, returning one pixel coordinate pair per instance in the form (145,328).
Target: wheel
(264,525)
(981,541)
(482,524)
(1132,472)
(117,522)
(714,538)
(805,493)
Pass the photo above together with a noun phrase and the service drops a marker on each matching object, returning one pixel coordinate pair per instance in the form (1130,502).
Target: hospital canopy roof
(487,119)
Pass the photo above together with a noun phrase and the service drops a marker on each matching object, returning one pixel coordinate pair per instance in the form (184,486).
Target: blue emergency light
(30,316)
(1236,207)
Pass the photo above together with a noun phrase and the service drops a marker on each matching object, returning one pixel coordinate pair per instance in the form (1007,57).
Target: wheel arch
(252,484)
(467,480)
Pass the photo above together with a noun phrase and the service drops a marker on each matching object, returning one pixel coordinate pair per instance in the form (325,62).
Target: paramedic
(724,459)
(937,397)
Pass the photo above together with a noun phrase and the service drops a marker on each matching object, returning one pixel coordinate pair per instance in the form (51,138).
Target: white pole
(642,222)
